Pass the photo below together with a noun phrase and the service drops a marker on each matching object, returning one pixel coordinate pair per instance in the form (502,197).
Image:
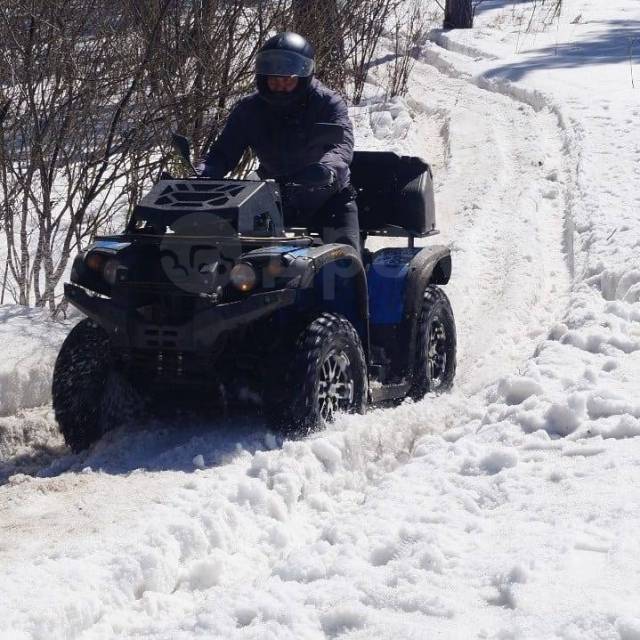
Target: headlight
(104,265)
(110,271)
(95,261)
(243,276)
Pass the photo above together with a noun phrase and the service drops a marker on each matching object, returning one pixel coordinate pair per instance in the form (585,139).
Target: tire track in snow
(501,207)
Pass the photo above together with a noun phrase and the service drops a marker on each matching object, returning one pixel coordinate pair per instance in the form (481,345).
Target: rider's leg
(338,222)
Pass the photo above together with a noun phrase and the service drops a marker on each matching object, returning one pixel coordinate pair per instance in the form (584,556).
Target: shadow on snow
(157,445)
(480,6)
(617,42)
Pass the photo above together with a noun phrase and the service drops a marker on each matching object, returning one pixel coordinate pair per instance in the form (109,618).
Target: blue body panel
(386,279)
(282,249)
(110,245)
(334,286)
(299,252)
(335,282)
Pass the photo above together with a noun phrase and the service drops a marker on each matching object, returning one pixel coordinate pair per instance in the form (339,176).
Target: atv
(207,292)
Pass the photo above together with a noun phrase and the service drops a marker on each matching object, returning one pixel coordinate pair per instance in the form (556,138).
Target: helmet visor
(277,62)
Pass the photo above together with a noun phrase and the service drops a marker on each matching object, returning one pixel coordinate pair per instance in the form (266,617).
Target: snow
(505,509)
(30,344)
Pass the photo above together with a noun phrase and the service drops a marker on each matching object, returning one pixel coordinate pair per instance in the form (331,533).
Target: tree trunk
(318,21)
(458,14)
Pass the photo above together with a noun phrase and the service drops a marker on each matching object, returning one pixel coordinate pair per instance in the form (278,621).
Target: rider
(276,122)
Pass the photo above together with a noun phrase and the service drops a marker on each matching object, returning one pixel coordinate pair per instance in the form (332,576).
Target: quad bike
(208,290)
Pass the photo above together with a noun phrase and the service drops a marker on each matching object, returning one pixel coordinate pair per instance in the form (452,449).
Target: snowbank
(30,343)
(584,379)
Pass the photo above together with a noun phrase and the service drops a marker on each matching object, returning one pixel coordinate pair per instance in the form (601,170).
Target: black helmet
(285,54)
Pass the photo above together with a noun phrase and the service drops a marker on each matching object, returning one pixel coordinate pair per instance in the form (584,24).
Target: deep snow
(506,509)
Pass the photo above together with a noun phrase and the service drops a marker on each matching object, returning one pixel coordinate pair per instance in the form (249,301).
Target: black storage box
(395,194)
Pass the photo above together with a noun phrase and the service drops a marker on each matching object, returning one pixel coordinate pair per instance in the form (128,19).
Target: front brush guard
(129,331)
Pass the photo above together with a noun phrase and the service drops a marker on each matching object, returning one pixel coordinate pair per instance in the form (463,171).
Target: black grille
(194,194)
(152,365)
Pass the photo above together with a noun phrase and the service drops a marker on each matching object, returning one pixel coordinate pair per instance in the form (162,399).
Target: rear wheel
(435,365)
(89,395)
(327,375)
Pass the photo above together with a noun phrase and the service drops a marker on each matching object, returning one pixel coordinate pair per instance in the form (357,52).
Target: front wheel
(327,375)
(435,365)
(89,396)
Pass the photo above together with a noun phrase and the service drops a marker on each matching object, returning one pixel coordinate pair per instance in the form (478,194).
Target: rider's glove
(310,188)
(317,176)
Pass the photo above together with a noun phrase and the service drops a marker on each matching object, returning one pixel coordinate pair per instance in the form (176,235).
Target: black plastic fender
(339,283)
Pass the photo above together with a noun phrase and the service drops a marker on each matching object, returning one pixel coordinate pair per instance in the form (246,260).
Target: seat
(395,194)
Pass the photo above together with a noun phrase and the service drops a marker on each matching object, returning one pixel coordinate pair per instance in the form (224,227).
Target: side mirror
(326,133)
(182,145)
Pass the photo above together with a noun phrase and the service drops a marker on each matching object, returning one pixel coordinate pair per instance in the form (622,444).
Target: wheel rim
(335,388)
(437,353)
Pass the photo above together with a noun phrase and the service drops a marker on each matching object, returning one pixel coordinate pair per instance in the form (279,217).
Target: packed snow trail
(144,546)
(501,206)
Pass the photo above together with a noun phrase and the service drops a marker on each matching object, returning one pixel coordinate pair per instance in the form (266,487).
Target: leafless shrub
(320,21)
(543,14)
(408,32)
(363,23)
(90,90)
(65,135)
(347,36)
(88,94)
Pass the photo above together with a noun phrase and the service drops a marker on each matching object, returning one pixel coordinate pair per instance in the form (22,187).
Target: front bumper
(128,330)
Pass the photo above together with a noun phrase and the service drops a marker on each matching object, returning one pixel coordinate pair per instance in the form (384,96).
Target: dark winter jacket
(281,139)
